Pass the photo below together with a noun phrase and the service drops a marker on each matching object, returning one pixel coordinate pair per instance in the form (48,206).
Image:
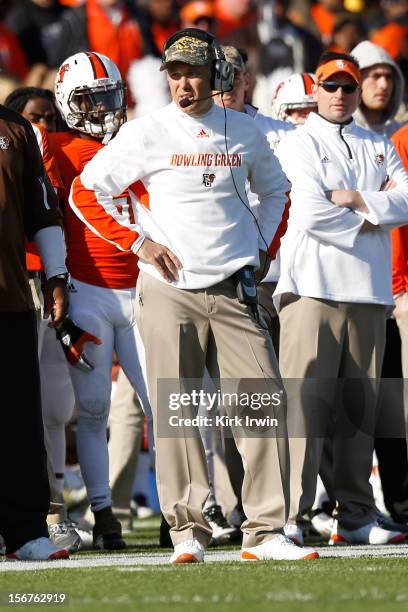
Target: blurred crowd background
(279,36)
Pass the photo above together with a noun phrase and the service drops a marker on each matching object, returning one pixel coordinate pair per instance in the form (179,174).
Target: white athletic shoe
(64,535)
(40,549)
(294,533)
(323,523)
(368,534)
(279,548)
(189,551)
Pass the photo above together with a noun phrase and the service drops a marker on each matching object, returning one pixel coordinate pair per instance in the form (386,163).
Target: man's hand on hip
(55,300)
(347,198)
(159,256)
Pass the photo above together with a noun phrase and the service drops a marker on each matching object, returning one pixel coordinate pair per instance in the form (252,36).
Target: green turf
(322,585)
(346,585)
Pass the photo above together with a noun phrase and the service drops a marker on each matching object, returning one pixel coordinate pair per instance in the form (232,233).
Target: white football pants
(109,315)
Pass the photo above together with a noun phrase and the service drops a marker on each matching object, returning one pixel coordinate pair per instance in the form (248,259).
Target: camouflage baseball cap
(234,57)
(189,50)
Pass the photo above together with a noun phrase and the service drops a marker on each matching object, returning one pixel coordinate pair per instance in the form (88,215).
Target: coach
(348,189)
(194,237)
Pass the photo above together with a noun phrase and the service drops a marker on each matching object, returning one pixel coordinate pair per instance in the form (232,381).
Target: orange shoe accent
(313,555)
(396,539)
(339,539)
(59,554)
(247,555)
(186,558)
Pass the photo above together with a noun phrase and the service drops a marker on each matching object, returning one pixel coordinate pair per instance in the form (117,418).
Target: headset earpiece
(222,75)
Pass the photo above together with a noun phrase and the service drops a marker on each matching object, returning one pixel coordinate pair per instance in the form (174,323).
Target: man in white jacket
(348,189)
(195,236)
(382,88)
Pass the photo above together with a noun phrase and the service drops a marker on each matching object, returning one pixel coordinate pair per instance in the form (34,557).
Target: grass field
(327,584)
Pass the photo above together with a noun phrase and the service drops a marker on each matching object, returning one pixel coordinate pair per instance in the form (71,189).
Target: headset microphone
(186,102)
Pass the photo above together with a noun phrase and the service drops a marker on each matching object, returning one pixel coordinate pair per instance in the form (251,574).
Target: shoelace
(193,543)
(283,540)
(63,527)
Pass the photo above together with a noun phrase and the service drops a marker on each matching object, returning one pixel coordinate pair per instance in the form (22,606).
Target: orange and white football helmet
(295,92)
(91,95)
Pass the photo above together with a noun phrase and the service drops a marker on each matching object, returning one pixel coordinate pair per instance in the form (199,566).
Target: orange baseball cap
(192,11)
(325,71)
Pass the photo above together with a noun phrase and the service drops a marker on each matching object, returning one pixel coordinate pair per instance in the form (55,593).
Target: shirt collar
(314,120)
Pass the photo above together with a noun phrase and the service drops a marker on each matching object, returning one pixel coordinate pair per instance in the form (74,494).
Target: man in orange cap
(332,295)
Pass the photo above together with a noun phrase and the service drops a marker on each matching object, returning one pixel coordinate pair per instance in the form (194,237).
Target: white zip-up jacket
(324,253)
(194,209)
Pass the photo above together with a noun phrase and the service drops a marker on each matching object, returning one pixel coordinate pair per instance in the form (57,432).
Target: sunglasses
(333,86)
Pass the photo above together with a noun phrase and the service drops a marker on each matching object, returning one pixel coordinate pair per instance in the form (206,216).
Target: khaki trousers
(126,420)
(325,340)
(184,331)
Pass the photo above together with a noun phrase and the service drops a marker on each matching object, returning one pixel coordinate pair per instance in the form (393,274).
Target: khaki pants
(184,331)
(126,431)
(325,340)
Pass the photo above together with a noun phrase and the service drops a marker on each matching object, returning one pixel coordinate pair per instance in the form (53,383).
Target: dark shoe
(107,531)
(386,522)
(222,531)
(237,516)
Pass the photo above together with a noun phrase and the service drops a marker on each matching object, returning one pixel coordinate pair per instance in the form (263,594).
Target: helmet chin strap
(112,129)
(108,135)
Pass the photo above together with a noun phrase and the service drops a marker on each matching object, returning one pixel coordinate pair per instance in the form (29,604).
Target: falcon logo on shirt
(203,134)
(208,179)
(4,143)
(379,159)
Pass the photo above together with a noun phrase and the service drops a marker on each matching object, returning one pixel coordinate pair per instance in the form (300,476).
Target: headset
(222,72)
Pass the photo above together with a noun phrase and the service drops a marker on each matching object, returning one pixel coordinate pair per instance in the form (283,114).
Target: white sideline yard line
(131,559)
